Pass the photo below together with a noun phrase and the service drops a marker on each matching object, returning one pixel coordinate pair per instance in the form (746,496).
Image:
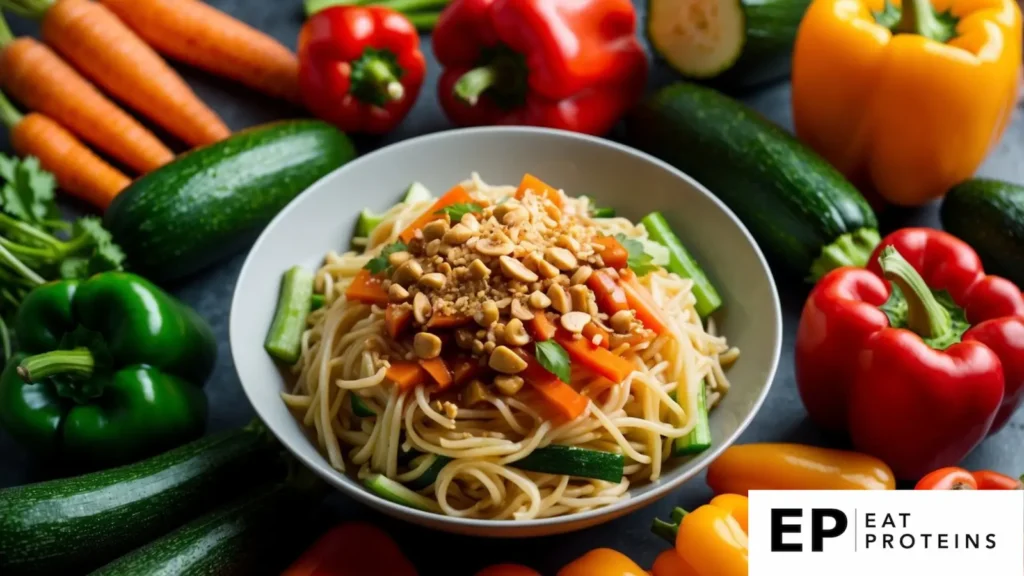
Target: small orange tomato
(602,562)
(508,570)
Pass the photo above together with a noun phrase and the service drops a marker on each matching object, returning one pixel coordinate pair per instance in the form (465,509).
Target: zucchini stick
(683,264)
(699,439)
(285,336)
(317,302)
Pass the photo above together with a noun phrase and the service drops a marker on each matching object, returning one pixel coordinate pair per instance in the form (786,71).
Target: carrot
(38,78)
(98,44)
(640,300)
(406,375)
(613,254)
(198,34)
(438,371)
(366,288)
(611,298)
(592,330)
(562,398)
(78,171)
(594,358)
(465,369)
(457,195)
(531,182)
(541,328)
(396,320)
(441,321)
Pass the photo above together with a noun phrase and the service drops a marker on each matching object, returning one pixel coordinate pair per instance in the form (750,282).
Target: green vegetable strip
(359,408)
(699,439)
(430,474)
(285,336)
(573,461)
(603,213)
(317,302)
(681,263)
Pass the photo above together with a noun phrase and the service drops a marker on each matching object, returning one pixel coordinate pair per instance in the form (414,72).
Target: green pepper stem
(472,84)
(424,22)
(669,530)
(379,74)
(925,316)
(918,17)
(78,361)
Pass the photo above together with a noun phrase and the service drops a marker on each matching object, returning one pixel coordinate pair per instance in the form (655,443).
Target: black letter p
(818,531)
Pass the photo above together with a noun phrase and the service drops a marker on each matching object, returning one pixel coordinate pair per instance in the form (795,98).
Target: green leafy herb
(380,263)
(554,359)
(28,190)
(639,261)
(457,211)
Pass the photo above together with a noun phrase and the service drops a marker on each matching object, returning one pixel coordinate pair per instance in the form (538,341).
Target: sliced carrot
(441,321)
(366,288)
(465,369)
(541,328)
(642,302)
(599,386)
(612,253)
(457,195)
(407,375)
(559,396)
(438,371)
(594,358)
(396,320)
(591,331)
(611,298)
(531,182)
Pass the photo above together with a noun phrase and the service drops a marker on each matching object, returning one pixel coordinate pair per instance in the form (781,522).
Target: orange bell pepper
(796,467)
(710,541)
(602,562)
(906,105)
(332,554)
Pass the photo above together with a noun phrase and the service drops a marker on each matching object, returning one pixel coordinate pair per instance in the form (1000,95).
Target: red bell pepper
(903,371)
(352,549)
(959,479)
(360,68)
(573,65)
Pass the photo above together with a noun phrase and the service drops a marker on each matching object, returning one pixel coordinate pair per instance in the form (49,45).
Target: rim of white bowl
(665,484)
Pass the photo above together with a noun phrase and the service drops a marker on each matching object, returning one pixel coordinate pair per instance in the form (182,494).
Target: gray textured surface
(781,419)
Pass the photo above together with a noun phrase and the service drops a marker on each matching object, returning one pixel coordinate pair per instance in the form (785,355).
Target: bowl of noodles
(506,331)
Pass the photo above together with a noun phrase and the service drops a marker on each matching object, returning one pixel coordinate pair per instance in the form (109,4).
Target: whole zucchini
(246,536)
(797,206)
(213,201)
(76,524)
(731,43)
(989,215)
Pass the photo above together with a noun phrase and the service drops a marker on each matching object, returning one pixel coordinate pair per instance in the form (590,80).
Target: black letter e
(779,528)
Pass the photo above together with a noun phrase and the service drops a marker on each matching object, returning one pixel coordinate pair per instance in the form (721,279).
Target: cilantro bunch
(36,246)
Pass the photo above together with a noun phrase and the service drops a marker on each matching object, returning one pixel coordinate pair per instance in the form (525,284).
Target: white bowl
(323,217)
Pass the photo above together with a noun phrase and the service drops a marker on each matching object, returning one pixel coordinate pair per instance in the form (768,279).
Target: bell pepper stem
(472,84)
(668,530)
(918,17)
(424,22)
(925,316)
(380,74)
(79,361)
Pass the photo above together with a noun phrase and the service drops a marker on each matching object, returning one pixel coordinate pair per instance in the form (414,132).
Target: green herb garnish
(554,359)
(457,211)
(380,263)
(639,261)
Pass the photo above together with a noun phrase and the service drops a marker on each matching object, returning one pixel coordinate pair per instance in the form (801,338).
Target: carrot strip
(594,358)
(38,78)
(406,375)
(640,300)
(559,396)
(541,328)
(438,371)
(440,321)
(198,34)
(456,195)
(78,171)
(97,43)
(612,253)
(537,186)
(396,319)
(591,330)
(366,288)
(465,369)
(611,298)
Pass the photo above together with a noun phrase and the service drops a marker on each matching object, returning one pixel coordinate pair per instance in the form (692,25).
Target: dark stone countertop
(781,418)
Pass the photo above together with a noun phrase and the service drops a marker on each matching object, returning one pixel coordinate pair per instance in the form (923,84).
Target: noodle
(346,353)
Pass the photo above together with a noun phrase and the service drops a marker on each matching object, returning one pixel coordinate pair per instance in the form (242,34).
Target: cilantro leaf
(639,261)
(28,190)
(554,359)
(380,263)
(457,211)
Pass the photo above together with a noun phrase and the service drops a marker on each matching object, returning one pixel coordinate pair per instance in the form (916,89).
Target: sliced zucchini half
(699,38)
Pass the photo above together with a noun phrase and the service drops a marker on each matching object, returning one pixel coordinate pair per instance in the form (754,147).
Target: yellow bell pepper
(602,562)
(710,541)
(906,104)
(769,466)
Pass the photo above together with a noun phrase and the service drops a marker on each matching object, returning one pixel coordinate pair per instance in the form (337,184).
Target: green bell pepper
(110,371)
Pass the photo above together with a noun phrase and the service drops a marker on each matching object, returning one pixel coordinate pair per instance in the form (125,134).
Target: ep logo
(822,523)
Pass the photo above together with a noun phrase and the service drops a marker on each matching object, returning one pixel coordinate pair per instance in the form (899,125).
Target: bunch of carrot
(113,45)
